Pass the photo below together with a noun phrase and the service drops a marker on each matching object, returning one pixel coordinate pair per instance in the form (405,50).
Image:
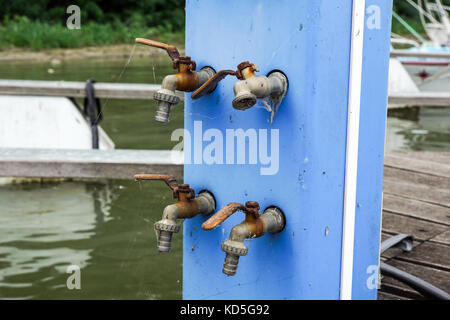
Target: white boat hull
(45,123)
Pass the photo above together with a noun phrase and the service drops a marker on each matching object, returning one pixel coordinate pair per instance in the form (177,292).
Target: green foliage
(398,28)
(404,9)
(23,33)
(410,15)
(152,13)
(41,24)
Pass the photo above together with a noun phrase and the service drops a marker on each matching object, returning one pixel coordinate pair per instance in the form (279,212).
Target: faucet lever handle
(222,215)
(169,180)
(211,84)
(172,51)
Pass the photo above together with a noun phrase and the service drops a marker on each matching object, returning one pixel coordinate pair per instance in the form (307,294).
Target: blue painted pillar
(302,168)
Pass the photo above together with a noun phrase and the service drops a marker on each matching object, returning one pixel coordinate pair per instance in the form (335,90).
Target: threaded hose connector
(165,102)
(233,250)
(234,247)
(230,265)
(166,97)
(244,101)
(166,229)
(163,111)
(164,241)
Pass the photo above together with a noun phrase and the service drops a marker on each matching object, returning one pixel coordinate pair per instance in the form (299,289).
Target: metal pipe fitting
(255,225)
(252,87)
(186,79)
(204,204)
(187,206)
(183,81)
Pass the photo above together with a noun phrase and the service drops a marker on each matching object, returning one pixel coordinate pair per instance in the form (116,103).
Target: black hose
(92,108)
(418,284)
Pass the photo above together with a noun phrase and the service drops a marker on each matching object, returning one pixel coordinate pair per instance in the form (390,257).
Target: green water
(106,227)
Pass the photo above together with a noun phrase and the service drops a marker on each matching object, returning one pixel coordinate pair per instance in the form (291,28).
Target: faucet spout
(187,206)
(186,79)
(234,248)
(248,90)
(184,209)
(167,226)
(255,225)
(166,98)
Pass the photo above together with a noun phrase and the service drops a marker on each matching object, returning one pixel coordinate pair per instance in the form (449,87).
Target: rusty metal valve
(250,88)
(187,206)
(185,80)
(255,225)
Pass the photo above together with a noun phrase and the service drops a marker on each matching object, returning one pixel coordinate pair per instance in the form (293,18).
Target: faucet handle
(211,84)
(249,68)
(251,210)
(172,51)
(169,180)
(172,183)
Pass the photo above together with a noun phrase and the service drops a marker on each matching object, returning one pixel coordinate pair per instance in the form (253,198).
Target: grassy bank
(21,32)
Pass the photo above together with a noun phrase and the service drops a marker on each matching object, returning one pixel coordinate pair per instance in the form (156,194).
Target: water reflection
(419,129)
(105,228)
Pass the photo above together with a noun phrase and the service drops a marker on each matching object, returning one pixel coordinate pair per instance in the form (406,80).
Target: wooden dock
(76,89)
(88,164)
(417,201)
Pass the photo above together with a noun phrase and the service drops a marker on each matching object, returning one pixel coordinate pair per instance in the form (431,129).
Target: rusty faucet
(250,87)
(185,80)
(255,225)
(187,206)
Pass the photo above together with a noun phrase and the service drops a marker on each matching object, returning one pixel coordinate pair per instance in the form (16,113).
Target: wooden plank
(418,165)
(420,99)
(436,277)
(114,164)
(76,89)
(418,209)
(145,91)
(416,178)
(388,296)
(431,156)
(419,54)
(397,288)
(421,230)
(422,192)
(429,254)
(443,238)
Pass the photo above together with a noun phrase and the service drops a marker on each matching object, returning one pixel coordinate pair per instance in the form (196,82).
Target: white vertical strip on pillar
(351,162)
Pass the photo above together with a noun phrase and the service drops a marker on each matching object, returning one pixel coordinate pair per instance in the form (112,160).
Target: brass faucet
(250,87)
(255,225)
(187,206)
(185,80)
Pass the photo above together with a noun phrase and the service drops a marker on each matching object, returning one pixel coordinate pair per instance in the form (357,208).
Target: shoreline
(106,51)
